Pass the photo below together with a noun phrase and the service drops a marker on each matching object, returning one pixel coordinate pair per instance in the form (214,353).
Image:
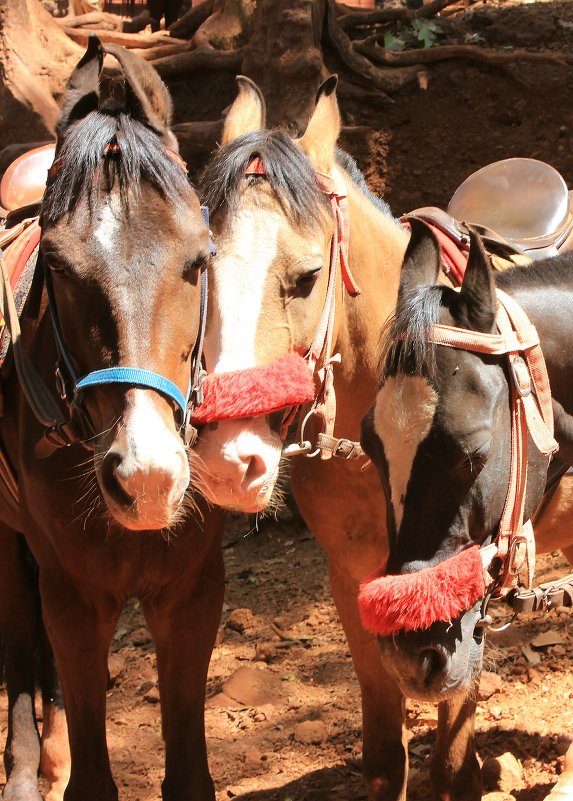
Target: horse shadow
(344,782)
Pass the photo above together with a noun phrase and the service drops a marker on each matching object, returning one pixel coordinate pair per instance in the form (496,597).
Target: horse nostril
(111,481)
(433,662)
(256,470)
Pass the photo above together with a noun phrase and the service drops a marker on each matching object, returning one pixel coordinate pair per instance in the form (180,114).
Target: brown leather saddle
(24,181)
(519,204)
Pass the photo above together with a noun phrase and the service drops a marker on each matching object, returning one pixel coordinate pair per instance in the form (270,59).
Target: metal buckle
(304,446)
(514,554)
(60,383)
(520,375)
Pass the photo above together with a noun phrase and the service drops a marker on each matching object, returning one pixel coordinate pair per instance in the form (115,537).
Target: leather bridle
(531,413)
(78,426)
(320,350)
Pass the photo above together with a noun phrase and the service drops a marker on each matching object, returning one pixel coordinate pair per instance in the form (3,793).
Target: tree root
(200,59)
(379,16)
(431,55)
(388,81)
(186,25)
(107,22)
(129,40)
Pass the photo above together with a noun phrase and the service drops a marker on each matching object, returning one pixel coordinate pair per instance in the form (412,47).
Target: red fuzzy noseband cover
(416,600)
(286,381)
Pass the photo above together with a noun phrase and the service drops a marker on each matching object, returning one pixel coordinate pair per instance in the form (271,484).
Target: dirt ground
(418,149)
(281,660)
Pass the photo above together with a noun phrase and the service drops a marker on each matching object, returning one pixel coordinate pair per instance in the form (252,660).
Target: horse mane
(404,341)
(288,171)
(555,271)
(349,164)
(141,157)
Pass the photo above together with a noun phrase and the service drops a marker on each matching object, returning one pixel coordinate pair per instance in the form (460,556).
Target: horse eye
(198,263)
(58,267)
(476,461)
(308,279)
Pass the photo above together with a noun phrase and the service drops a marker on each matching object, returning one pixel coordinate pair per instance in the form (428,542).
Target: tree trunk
(284,57)
(36,59)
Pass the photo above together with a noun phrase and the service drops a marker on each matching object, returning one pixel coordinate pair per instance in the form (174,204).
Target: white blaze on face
(240,281)
(106,230)
(403,415)
(154,468)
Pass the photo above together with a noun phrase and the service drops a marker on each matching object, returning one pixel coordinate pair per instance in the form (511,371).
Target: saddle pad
(20,257)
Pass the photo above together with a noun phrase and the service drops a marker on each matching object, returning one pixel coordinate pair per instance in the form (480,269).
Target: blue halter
(72,387)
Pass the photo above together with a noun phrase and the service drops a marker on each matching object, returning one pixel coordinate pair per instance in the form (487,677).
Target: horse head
(123,245)
(439,434)
(271,198)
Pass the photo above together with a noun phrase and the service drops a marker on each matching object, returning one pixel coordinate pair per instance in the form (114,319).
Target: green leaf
(425,33)
(392,42)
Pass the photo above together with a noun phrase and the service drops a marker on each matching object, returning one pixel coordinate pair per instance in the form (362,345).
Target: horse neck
(376,251)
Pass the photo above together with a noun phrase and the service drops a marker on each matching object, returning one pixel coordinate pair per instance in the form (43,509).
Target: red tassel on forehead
(413,601)
(286,381)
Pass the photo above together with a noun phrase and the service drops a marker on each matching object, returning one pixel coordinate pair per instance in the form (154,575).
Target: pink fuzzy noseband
(286,381)
(416,600)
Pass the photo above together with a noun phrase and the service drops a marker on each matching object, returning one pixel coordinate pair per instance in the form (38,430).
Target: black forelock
(141,157)
(404,339)
(287,169)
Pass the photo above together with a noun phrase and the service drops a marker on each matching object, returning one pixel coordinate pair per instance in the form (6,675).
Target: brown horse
(115,300)
(269,281)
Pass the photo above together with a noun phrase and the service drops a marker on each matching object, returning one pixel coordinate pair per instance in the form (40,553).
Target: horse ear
(147,98)
(247,112)
(82,91)
(321,135)
(422,260)
(476,307)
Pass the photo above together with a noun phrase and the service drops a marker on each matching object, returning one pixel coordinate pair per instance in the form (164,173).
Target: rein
(78,426)
(286,370)
(531,412)
(390,603)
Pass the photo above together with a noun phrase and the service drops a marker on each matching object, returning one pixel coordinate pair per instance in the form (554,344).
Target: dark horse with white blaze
(440,434)
(122,251)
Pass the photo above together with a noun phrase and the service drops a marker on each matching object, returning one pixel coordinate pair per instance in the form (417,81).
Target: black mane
(288,171)
(141,157)
(404,339)
(555,271)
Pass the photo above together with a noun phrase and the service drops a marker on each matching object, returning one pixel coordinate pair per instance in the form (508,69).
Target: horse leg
(554,529)
(55,748)
(455,770)
(385,755)
(184,625)
(80,627)
(19,629)
(563,790)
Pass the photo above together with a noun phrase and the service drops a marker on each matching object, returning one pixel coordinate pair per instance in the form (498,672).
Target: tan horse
(268,285)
